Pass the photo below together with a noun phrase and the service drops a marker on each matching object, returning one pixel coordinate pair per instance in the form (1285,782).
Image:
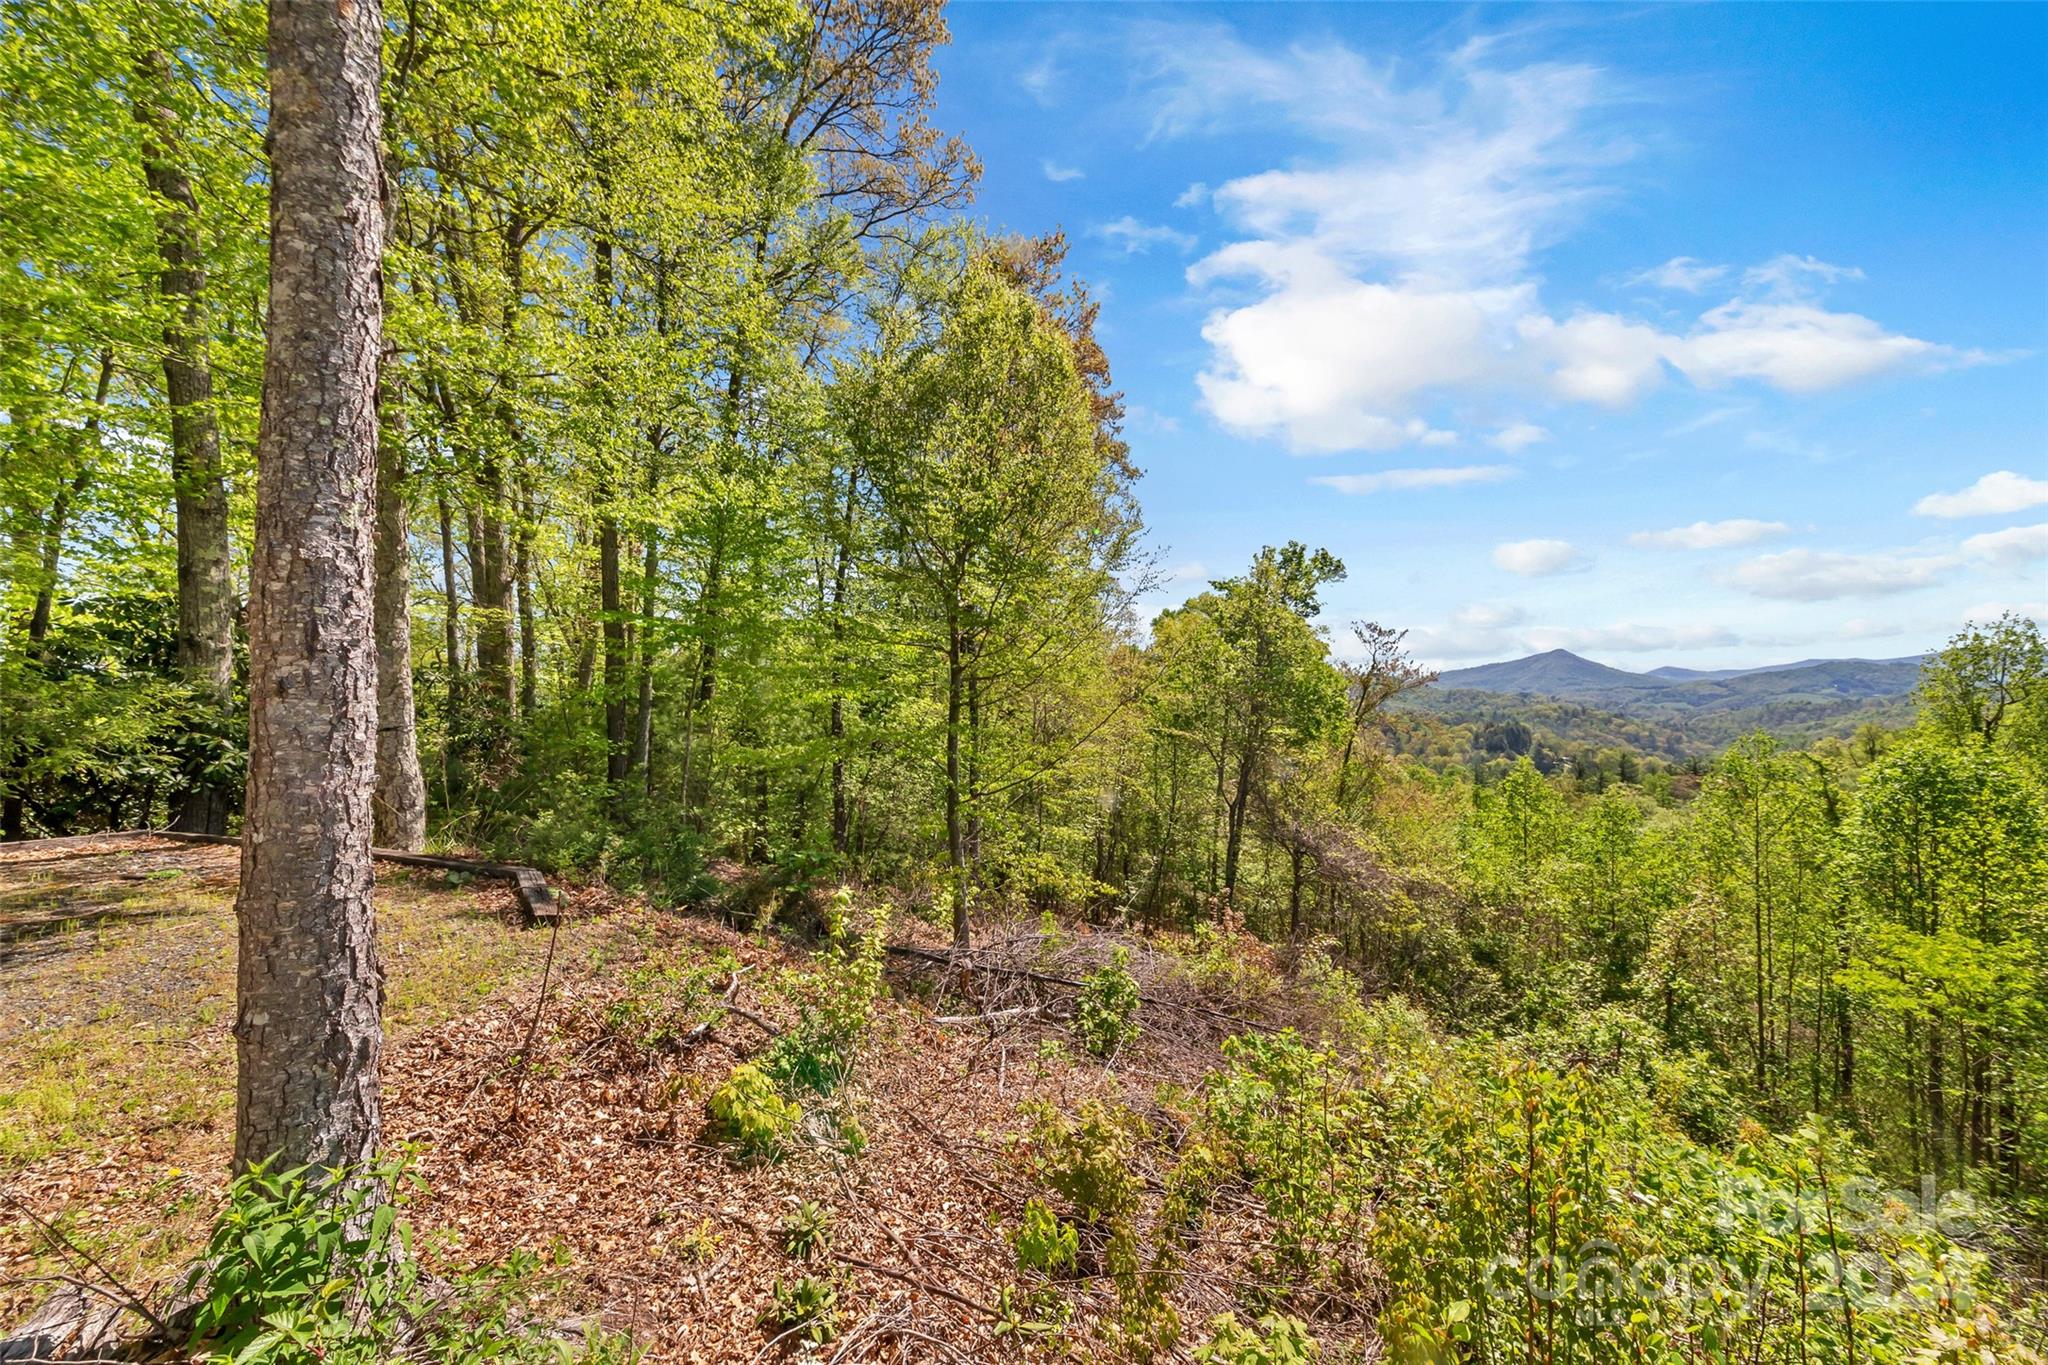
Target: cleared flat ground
(117,986)
(116,1111)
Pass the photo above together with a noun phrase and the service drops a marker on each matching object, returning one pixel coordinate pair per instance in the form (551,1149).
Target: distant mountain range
(1561,673)
(1687,710)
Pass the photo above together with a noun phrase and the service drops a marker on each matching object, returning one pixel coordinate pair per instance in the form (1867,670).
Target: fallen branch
(1026,974)
(993,1017)
(904,1277)
(134,1302)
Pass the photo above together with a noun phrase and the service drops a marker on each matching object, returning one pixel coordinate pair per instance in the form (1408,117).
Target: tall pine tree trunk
(400,803)
(308,1032)
(206,608)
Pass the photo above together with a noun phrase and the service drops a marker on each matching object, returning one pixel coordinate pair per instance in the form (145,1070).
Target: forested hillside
(1552,705)
(754,536)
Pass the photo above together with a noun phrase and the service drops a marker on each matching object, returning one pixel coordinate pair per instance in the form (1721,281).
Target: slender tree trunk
(956,834)
(491,582)
(1234,844)
(614,650)
(835,725)
(973,792)
(400,806)
(643,720)
(51,559)
(529,641)
(451,615)
(308,1028)
(206,599)
(610,606)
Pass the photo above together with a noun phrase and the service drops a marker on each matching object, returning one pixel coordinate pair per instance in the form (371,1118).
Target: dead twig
(135,1302)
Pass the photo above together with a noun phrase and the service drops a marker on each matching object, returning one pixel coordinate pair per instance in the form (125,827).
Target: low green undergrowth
(307,1267)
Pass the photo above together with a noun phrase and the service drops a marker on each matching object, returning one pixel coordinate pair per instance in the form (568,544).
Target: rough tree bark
(206,601)
(400,803)
(307,1026)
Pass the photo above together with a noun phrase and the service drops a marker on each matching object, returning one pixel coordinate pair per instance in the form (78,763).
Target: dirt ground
(116,1113)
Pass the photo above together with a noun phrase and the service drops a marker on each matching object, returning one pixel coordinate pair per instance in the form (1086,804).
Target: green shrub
(1297,1128)
(1044,1242)
(806,1307)
(1106,1014)
(1086,1160)
(662,1004)
(748,1112)
(322,1268)
(1559,1213)
(835,1001)
(1277,1340)
(807,1229)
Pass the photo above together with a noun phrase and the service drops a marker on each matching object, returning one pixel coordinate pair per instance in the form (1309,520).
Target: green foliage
(806,1308)
(1106,1008)
(748,1112)
(1276,1339)
(1532,1206)
(662,1003)
(835,1000)
(1295,1128)
(1044,1242)
(1085,1159)
(806,1231)
(304,1267)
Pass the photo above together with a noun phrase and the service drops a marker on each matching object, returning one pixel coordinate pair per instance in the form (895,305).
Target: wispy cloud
(1681,273)
(1995,494)
(2013,548)
(1517,436)
(1137,238)
(1822,576)
(1392,263)
(1060,175)
(1710,535)
(1390,479)
(1539,558)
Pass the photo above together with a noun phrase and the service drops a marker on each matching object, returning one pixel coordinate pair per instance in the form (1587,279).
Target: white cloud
(1820,576)
(2012,548)
(1538,558)
(1713,417)
(1331,363)
(1799,347)
(1194,196)
(1451,477)
(1136,238)
(1059,174)
(1488,615)
(1710,535)
(1141,418)
(1868,628)
(1681,273)
(1986,612)
(1395,268)
(1517,436)
(1491,631)
(1993,495)
(1792,276)
(1039,78)
(1630,638)
(1597,357)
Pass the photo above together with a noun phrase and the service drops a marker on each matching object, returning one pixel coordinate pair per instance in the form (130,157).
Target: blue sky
(1709,335)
